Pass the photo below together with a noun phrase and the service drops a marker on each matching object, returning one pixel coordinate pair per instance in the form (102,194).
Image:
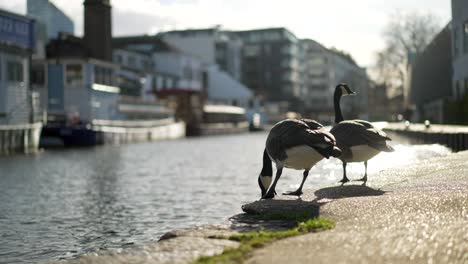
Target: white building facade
(212,46)
(322,70)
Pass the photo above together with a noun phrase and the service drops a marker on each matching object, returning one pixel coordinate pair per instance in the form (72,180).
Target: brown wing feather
(291,132)
(351,133)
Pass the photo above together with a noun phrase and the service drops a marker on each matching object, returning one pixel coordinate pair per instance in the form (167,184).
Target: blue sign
(16,30)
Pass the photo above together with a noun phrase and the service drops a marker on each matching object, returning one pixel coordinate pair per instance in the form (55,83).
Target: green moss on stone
(256,239)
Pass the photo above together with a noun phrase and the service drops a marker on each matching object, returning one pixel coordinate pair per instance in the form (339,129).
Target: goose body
(301,157)
(294,144)
(359,140)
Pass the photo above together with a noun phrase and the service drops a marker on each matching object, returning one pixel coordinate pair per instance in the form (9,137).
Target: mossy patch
(256,239)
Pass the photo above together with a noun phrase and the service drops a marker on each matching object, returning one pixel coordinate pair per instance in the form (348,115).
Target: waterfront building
(50,21)
(16,46)
(78,87)
(179,78)
(344,69)
(212,46)
(323,69)
(135,76)
(270,63)
(202,92)
(317,78)
(431,79)
(459,48)
(82,88)
(20,124)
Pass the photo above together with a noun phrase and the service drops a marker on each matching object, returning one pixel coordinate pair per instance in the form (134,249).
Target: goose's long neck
(336,102)
(267,169)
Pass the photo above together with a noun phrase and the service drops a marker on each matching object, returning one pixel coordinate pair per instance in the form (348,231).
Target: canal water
(64,203)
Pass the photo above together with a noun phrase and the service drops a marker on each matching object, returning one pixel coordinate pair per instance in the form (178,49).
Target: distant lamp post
(427,124)
(407,124)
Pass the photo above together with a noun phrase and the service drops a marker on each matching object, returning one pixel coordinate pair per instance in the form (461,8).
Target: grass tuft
(257,239)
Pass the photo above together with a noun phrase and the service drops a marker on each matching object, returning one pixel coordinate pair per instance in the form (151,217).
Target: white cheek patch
(266,181)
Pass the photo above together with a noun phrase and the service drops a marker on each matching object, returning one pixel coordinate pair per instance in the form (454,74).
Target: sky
(354,26)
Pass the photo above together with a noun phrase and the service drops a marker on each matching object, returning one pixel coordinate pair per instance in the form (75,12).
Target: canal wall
(122,134)
(223,128)
(19,138)
(454,137)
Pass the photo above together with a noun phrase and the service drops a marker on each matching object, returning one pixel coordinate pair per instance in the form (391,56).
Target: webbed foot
(344,180)
(296,193)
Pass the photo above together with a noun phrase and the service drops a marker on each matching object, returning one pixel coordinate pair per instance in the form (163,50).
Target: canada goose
(358,140)
(295,144)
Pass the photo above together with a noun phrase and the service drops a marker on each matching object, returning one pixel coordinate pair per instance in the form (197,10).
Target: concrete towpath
(413,214)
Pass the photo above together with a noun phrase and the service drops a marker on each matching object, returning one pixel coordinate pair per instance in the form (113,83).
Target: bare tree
(406,36)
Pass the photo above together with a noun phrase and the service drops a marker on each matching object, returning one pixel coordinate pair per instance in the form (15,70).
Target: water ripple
(65,203)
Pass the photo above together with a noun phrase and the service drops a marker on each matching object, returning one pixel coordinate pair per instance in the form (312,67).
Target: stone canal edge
(417,213)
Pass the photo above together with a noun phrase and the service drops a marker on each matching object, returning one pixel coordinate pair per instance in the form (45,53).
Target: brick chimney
(98,28)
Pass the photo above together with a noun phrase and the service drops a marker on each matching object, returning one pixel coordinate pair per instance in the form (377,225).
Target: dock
(23,138)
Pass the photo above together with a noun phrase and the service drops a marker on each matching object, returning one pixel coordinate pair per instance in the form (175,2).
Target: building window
(188,73)
(251,50)
(131,61)
(465,37)
(103,75)
(38,74)
(118,58)
(170,83)
(160,82)
(74,74)
(15,71)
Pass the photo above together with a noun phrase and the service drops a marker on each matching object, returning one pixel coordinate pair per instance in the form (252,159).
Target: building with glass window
(135,75)
(323,69)
(74,86)
(176,77)
(20,118)
(212,46)
(16,45)
(343,69)
(50,21)
(270,63)
(460,47)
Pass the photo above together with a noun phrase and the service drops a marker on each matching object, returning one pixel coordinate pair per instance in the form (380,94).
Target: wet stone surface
(416,214)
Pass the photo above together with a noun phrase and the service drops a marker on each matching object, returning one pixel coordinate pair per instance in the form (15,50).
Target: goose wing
(368,125)
(291,133)
(351,133)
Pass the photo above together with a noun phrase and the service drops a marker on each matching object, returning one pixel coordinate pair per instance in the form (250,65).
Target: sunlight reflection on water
(65,203)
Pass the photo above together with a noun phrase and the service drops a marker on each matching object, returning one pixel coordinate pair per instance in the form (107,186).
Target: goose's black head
(343,89)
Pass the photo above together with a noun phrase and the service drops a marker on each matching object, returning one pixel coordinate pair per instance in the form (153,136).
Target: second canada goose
(295,144)
(358,140)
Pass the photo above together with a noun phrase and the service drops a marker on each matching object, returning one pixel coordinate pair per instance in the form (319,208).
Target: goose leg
(345,179)
(271,192)
(298,192)
(364,179)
